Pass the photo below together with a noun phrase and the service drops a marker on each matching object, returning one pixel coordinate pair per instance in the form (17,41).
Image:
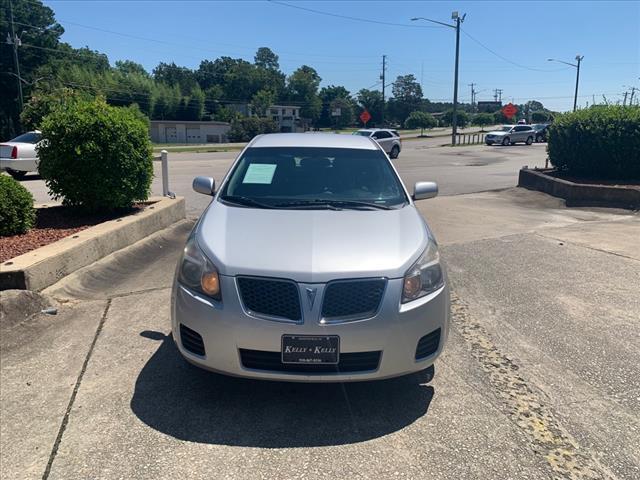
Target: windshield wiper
(331,203)
(249,202)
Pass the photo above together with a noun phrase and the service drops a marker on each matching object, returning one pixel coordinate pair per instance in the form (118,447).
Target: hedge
(244,129)
(17,214)
(96,156)
(597,142)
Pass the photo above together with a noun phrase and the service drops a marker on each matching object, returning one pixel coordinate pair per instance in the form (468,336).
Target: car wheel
(538,138)
(529,140)
(395,151)
(17,174)
(506,141)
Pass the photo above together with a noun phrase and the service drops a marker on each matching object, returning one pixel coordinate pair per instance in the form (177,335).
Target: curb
(580,194)
(46,265)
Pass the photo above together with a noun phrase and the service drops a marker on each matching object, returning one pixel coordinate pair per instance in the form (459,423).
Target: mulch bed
(592,181)
(54,223)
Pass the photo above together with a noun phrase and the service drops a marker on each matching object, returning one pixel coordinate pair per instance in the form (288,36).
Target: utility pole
(456,26)
(633,90)
(473,96)
(577,67)
(382,77)
(624,101)
(499,91)
(15,41)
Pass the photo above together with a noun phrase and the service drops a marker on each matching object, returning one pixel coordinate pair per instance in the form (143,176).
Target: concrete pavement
(539,378)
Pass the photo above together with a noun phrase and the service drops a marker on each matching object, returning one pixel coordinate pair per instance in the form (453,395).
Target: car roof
(317,140)
(376,129)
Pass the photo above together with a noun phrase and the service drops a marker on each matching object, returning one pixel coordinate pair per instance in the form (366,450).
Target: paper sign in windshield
(260,173)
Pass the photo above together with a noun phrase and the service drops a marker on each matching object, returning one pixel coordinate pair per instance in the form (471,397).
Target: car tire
(395,151)
(538,138)
(17,174)
(529,140)
(506,141)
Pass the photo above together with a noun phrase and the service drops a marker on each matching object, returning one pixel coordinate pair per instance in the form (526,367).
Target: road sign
(365,117)
(509,110)
(336,112)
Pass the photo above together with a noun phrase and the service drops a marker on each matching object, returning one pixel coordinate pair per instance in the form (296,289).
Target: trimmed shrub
(96,156)
(17,214)
(244,129)
(420,120)
(597,142)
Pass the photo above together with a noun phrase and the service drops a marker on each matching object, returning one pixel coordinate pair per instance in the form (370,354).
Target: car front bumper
(228,331)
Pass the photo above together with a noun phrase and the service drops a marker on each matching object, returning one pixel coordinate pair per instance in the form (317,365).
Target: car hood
(497,133)
(312,246)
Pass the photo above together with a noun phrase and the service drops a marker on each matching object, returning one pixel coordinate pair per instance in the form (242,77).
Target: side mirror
(424,190)
(204,185)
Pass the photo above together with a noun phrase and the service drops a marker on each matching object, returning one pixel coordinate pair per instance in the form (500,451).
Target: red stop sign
(509,110)
(365,117)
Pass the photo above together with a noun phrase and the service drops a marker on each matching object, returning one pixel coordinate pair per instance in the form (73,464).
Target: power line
(506,59)
(347,17)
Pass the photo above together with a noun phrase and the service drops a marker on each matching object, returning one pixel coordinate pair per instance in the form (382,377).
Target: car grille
(428,345)
(272,361)
(271,297)
(191,340)
(352,299)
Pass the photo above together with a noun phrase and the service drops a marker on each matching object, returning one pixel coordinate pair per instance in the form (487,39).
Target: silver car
(510,135)
(311,263)
(388,139)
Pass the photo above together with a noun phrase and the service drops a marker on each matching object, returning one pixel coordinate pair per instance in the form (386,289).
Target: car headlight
(425,276)
(197,272)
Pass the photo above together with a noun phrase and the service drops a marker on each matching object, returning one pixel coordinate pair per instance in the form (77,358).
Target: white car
(18,156)
(510,135)
(388,139)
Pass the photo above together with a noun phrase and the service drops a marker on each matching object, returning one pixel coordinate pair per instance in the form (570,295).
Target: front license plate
(310,349)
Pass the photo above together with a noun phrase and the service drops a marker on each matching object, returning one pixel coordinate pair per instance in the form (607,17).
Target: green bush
(420,120)
(17,214)
(96,156)
(244,129)
(597,142)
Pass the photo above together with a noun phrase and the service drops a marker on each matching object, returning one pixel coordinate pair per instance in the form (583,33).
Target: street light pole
(577,67)
(456,26)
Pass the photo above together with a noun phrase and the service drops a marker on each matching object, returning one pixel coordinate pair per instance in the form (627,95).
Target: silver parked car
(388,139)
(510,135)
(18,156)
(311,263)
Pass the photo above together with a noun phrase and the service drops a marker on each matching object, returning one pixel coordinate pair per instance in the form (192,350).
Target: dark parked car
(541,130)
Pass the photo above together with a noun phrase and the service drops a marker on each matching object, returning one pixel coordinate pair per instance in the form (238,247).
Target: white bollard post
(165,173)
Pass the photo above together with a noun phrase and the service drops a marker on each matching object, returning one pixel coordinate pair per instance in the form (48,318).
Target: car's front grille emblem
(311,295)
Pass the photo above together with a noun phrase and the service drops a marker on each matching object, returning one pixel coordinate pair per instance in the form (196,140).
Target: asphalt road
(464,169)
(539,379)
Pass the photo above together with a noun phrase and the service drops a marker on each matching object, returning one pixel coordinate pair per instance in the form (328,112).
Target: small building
(287,117)
(183,131)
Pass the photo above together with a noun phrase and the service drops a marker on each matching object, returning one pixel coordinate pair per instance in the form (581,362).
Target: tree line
(52,70)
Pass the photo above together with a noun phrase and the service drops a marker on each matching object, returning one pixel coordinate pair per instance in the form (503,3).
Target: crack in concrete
(526,409)
(67,414)
(549,237)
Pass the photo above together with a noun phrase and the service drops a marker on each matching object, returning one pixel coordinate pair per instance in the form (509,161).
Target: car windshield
(362,133)
(297,177)
(505,129)
(29,137)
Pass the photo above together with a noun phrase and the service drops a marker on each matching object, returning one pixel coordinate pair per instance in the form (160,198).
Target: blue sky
(349,52)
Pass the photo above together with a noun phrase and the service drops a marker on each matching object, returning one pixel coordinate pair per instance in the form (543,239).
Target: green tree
(483,119)
(261,102)
(333,98)
(265,58)
(45,33)
(128,67)
(407,97)
(371,100)
(171,74)
(462,118)
(345,108)
(42,103)
(303,88)
(420,120)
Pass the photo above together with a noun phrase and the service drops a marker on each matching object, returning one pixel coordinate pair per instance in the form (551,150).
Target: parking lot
(540,378)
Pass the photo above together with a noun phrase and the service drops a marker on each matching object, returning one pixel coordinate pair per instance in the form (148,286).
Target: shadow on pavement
(191,404)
